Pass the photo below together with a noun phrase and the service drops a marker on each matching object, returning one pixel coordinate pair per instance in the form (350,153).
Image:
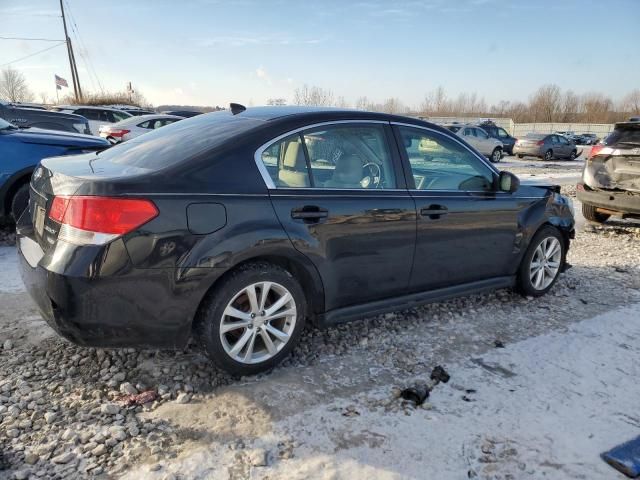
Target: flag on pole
(61,82)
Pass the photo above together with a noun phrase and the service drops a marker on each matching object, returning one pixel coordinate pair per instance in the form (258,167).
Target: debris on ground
(625,458)
(140,398)
(418,393)
(498,344)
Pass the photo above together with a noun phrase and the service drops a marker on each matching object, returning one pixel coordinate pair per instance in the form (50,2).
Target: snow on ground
(10,281)
(545,407)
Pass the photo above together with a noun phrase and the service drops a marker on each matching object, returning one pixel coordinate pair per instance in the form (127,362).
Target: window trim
(452,136)
(264,173)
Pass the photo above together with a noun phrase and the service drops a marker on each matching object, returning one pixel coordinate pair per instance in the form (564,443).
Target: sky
(212,52)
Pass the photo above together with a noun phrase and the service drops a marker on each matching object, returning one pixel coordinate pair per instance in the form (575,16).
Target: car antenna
(236,108)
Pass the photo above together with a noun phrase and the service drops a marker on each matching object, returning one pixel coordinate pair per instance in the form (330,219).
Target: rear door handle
(309,213)
(434,211)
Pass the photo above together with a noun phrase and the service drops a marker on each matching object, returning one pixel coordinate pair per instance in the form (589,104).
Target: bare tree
(394,105)
(277,101)
(545,103)
(631,102)
(342,103)
(44,98)
(596,107)
(314,96)
(13,86)
(570,107)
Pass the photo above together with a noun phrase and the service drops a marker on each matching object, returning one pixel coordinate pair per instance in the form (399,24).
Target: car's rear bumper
(531,151)
(124,307)
(625,203)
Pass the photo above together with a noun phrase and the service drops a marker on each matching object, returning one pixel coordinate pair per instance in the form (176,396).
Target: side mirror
(508,182)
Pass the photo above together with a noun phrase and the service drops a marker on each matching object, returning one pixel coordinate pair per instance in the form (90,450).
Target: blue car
(22,149)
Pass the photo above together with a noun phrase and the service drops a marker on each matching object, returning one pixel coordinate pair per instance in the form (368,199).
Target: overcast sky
(211,52)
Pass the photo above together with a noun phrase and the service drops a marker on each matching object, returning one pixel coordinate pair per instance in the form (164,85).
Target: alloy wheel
(545,263)
(497,155)
(548,156)
(258,322)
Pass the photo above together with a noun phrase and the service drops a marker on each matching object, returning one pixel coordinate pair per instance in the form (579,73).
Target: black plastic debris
(416,394)
(439,374)
(498,344)
(420,392)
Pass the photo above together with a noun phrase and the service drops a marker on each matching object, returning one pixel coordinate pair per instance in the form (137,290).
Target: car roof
(90,107)
(144,118)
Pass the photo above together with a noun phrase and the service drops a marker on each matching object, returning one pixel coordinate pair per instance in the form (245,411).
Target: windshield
(4,125)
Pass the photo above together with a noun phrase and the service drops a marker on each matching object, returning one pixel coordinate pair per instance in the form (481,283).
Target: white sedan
(135,126)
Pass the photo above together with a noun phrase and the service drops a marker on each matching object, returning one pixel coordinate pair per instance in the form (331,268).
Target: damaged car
(610,182)
(237,227)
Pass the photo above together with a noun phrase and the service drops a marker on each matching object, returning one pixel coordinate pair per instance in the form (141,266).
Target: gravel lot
(65,411)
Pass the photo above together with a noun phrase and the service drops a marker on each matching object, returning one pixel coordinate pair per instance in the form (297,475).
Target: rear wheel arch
(304,273)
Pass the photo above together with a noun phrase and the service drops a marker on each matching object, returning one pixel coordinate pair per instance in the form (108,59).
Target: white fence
(521,129)
(600,129)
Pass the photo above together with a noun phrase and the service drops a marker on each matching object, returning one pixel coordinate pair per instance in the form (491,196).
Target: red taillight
(541,142)
(117,133)
(594,150)
(108,215)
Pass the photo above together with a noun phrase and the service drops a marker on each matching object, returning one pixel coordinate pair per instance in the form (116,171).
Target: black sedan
(236,227)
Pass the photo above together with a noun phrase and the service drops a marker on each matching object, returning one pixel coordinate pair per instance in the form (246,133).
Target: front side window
(469,132)
(119,116)
(441,163)
(502,133)
(340,156)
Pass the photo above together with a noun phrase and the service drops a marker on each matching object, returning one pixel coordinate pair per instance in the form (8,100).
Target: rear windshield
(177,142)
(453,129)
(535,136)
(624,135)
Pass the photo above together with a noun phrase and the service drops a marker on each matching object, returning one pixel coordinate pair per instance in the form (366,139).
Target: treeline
(547,104)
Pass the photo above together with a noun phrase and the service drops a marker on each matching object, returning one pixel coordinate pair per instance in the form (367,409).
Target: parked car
(589,139)
(20,152)
(237,228)
(182,113)
(479,139)
(500,134)
(135,126)
(634,119)
(26,117)
(137,112)
(97,116)
(545,146)
(610,183)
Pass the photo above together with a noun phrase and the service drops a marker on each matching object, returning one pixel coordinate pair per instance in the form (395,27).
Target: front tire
(520,156)
(573,155)
(20,201)
(496,155)
(252,320)
(542,262)
(590,213)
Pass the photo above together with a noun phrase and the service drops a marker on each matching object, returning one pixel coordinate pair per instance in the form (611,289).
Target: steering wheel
(371,175)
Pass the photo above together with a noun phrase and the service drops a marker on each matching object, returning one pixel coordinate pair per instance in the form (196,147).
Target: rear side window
(89,113)
(178,142)
(332,157)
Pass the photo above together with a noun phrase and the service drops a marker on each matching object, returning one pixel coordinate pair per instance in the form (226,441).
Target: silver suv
(479,139)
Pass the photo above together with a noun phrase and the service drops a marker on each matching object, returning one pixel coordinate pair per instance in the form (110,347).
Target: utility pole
(72,60)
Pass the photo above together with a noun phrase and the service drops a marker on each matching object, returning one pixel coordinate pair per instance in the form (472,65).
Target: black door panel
(463,238)
(361,242)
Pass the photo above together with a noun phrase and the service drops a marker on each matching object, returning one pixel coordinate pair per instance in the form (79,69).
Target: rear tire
(538,271)
(590,213)
(520,156)
(248,344)
(20,201)
(548,155)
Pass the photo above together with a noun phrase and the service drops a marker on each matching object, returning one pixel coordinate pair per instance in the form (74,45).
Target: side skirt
(355,312)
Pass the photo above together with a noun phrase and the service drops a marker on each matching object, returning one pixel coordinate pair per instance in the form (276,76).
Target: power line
(85,55)
(33,39)
(31,55)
